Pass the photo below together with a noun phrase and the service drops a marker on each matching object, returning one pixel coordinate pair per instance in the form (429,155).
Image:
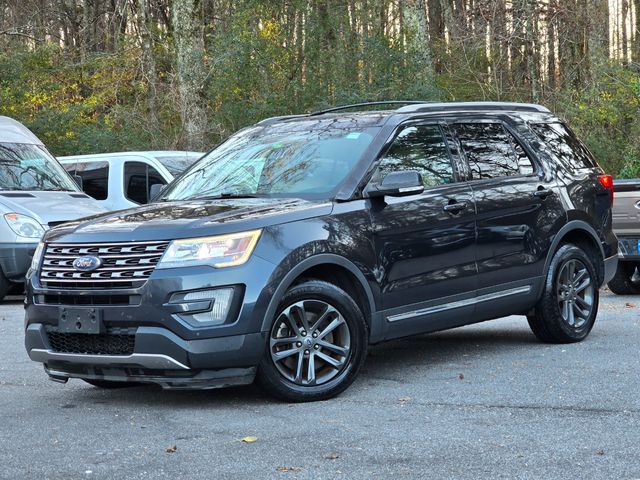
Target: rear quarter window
(565,146)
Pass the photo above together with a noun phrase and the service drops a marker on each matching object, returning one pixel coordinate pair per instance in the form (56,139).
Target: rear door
(518,213)
(425,243)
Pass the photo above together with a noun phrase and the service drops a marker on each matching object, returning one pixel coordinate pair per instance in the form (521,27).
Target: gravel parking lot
(484,401)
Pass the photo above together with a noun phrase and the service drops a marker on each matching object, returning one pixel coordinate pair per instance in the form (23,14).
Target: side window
(491,151)
(138,179)
(95,177)
(564,145)
(422,149)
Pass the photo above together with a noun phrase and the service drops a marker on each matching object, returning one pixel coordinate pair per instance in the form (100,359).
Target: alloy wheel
(310,342)
(575,291)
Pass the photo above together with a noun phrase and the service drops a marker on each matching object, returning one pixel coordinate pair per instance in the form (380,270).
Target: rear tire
(317,344)
(568,307)
(622,282)
(109,384)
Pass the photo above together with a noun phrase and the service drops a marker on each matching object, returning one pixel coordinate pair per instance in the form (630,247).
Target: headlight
(37,256)
(220,251)
(24,226)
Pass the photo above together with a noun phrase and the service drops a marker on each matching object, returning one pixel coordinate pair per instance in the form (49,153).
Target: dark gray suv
(301,240)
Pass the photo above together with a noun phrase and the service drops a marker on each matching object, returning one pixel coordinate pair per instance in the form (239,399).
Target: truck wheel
(316,345)
(5,286)
(622,282)
(568,307)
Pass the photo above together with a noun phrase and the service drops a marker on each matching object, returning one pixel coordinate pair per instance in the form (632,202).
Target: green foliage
(258,67)
(72,106)
(605,116)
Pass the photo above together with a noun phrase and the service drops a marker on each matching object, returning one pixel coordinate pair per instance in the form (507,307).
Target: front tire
(622,282)
(568,307)
(316,346)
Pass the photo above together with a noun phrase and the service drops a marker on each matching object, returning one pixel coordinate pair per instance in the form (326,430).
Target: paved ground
(484,401)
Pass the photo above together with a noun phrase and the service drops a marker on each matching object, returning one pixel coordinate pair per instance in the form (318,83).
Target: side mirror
(396,184)
(78,180)
(155,191)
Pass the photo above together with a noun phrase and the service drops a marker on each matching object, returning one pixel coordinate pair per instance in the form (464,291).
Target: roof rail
(277,118)
(368,104)
(462,106)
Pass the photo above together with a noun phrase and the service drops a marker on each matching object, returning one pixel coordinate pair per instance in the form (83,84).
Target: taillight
(607,182)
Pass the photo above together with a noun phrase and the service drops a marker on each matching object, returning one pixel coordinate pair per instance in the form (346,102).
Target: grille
(88,299)
(118,341)
(124,265)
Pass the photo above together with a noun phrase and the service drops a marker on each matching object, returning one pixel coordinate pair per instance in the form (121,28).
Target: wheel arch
(579,232)
(334,269)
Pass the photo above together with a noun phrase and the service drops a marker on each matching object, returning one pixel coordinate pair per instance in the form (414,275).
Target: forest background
(109,75)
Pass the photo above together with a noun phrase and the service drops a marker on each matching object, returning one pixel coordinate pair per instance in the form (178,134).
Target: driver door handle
(455,207)
(542,192)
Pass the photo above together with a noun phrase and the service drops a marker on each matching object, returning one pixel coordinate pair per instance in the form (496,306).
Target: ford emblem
(87,264)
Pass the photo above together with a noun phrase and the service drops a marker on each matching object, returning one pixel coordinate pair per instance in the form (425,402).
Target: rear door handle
(455,207)
(542,193)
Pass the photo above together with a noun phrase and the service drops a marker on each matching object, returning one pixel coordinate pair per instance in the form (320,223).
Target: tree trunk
(436,31)
(150,72)
(636,39)
(191,73)
(415,16)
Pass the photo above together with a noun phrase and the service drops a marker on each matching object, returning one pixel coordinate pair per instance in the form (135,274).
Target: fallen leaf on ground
(289,469)
(250,439)
(171,449)
(331,456)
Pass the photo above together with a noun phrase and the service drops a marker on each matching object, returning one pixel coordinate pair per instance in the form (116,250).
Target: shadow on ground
(403,361)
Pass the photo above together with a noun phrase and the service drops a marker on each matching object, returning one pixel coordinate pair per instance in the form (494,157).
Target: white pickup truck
(626,225)
(124,180)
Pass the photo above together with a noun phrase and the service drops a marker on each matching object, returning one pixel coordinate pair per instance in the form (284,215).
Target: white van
(124,180)
(36,193)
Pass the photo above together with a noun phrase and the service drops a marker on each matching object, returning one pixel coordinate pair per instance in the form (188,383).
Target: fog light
(221,299)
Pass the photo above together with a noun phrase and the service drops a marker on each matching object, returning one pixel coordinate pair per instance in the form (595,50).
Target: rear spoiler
(630,185)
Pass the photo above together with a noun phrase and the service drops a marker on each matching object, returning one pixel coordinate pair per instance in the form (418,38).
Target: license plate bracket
(80,320)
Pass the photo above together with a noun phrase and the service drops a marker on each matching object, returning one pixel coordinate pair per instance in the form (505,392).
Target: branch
(15,33)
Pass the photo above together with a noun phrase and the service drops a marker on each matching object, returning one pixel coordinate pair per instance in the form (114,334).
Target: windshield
(31,167)
(306,159)
(176,164)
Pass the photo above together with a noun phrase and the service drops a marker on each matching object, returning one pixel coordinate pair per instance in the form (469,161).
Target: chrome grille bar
(123,264)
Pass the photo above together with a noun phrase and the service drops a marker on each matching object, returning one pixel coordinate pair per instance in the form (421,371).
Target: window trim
(538,171)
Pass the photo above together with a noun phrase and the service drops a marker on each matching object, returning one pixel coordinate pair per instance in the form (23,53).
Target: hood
(50,207)
(185,219)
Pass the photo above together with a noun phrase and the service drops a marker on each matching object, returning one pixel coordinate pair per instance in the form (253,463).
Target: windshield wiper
(223,196)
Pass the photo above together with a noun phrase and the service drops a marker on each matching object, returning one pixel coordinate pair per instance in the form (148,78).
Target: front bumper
(169,349)
(159,357)
(15,259)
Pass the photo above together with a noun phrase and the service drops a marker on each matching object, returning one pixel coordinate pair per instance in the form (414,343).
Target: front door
(425,244)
